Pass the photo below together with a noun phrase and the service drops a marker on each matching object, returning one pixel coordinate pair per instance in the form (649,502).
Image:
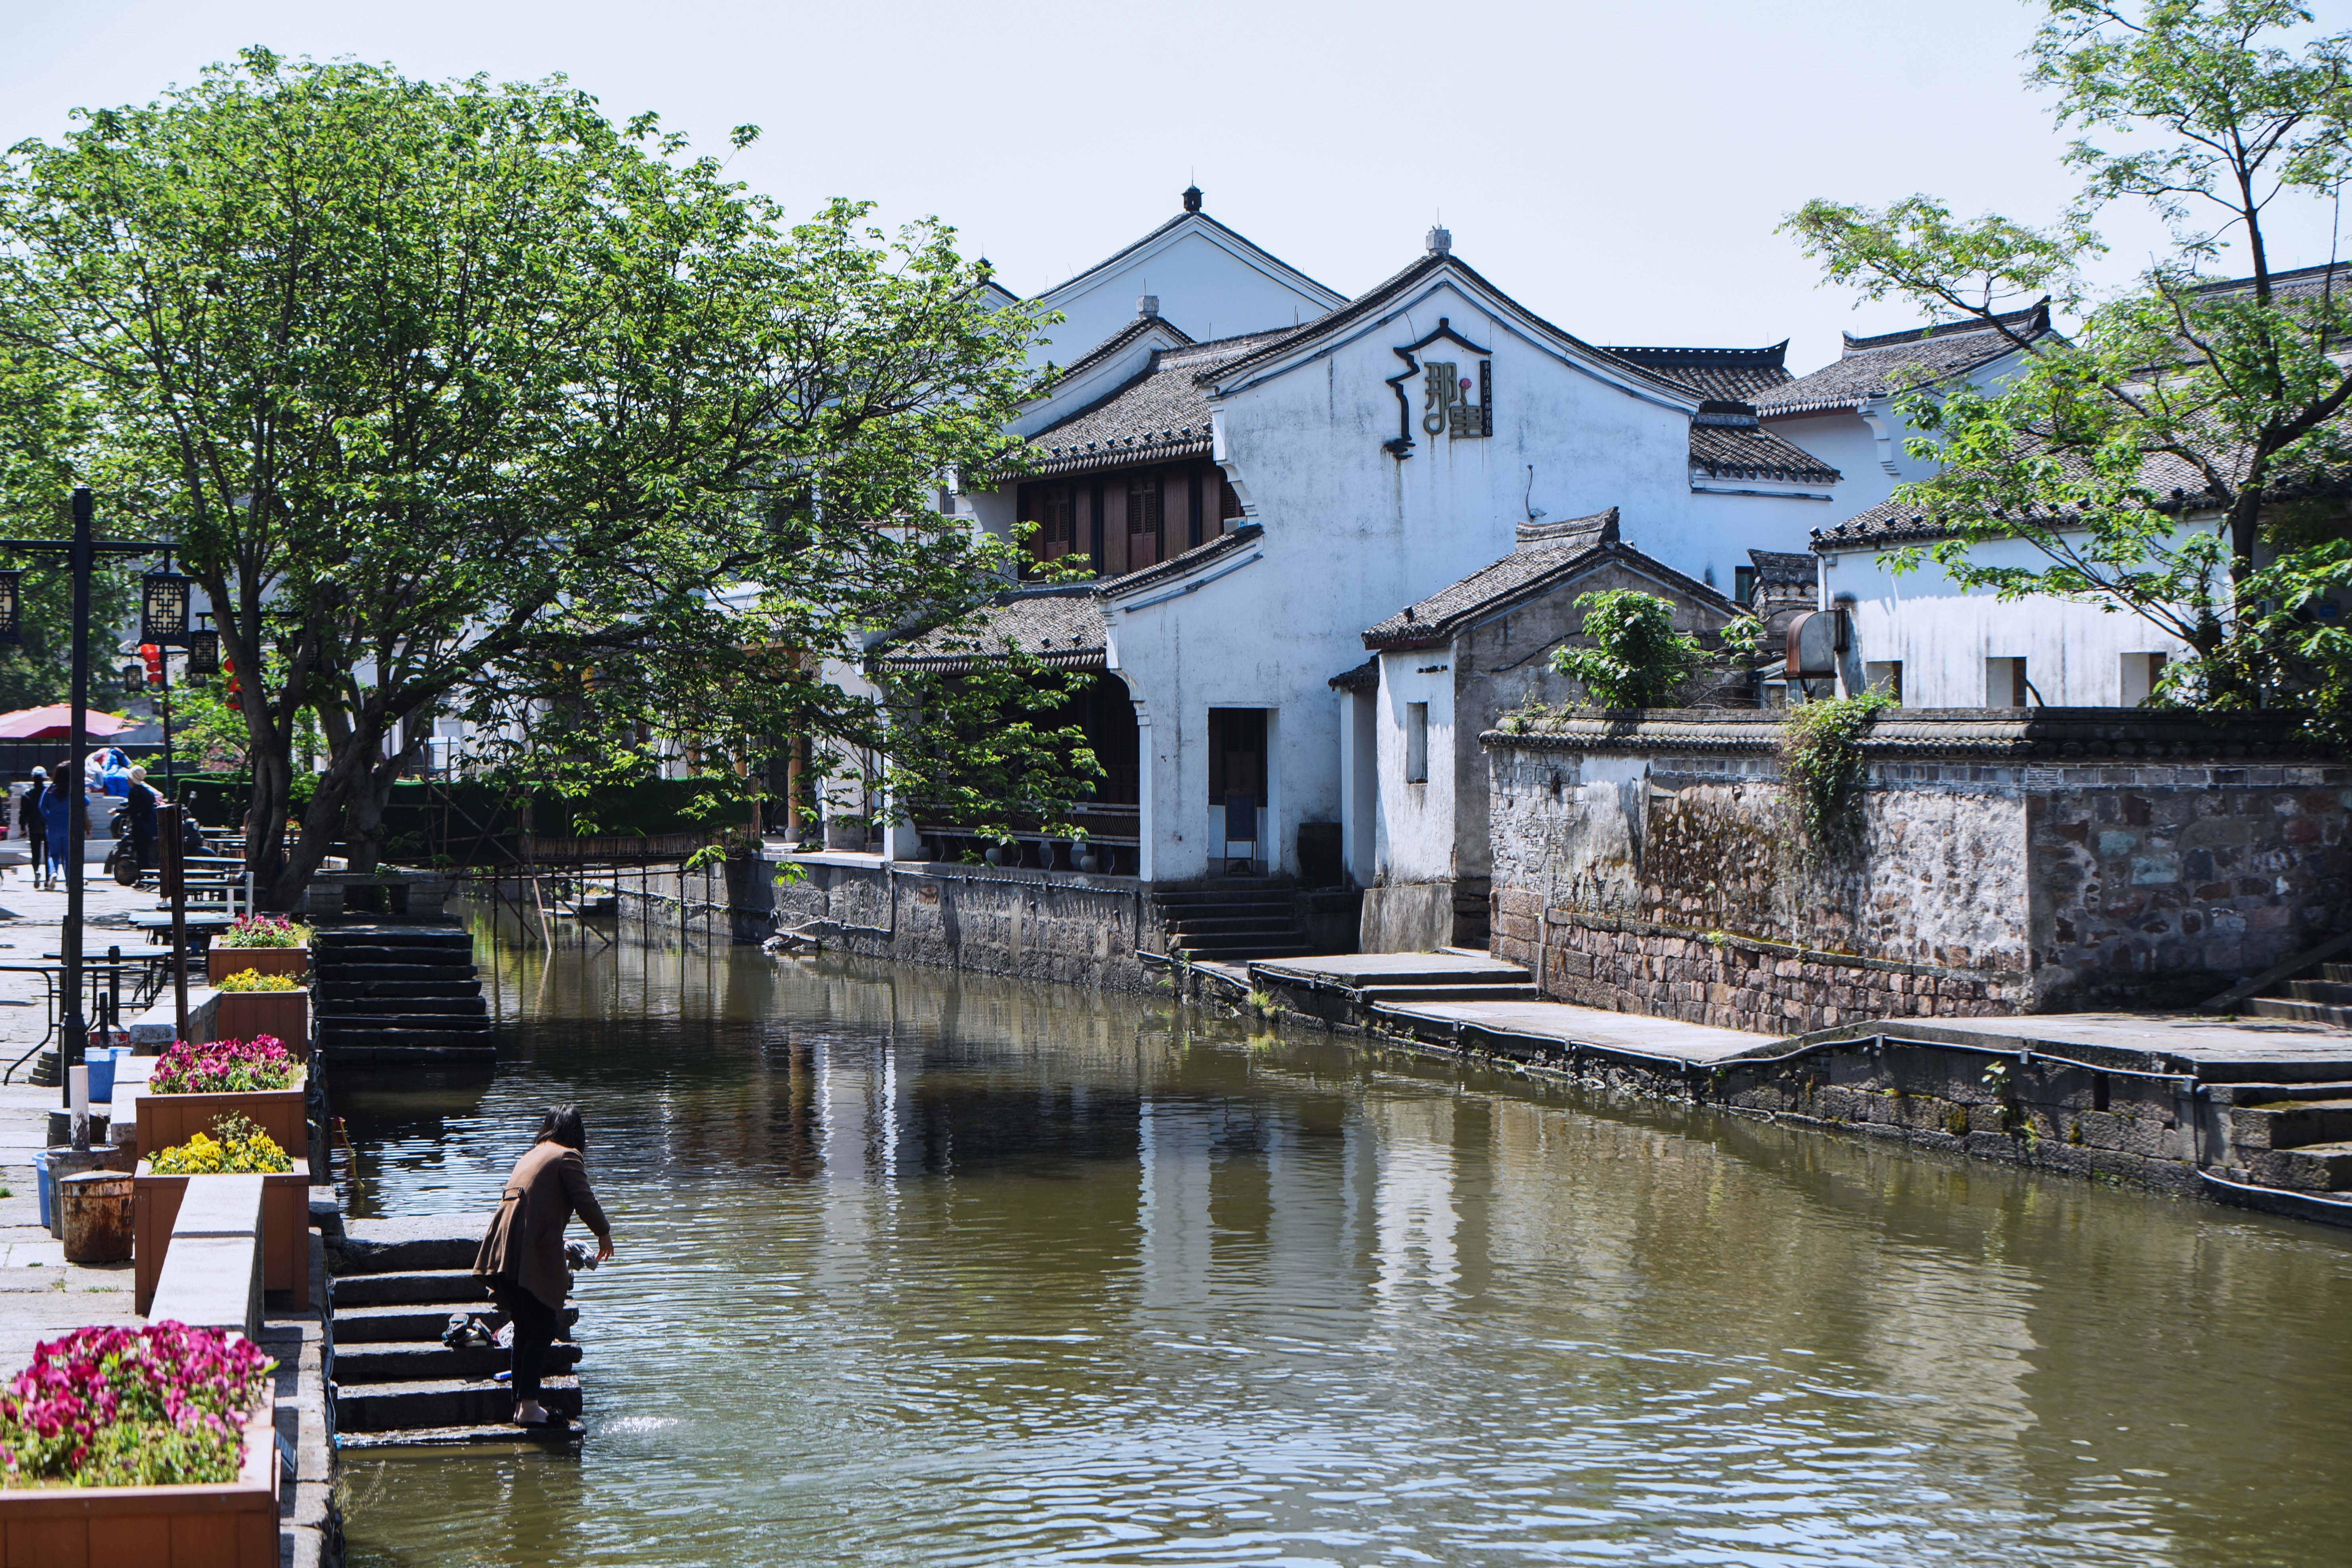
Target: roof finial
(1191,198)
(1439,241)
(1147,305)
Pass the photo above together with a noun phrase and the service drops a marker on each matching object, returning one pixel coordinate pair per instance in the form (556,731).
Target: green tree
(453,392)
(1637,658)
(2180,456)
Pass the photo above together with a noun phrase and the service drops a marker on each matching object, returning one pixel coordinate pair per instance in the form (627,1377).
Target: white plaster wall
(1720,529)
(1845,443)
(1943,634)
(1416,838)
(1203,287)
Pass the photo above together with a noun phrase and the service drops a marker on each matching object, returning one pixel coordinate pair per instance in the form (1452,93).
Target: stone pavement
(1559,1023)
(40,1294)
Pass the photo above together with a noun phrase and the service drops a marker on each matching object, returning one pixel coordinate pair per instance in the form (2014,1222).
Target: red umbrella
(55,722)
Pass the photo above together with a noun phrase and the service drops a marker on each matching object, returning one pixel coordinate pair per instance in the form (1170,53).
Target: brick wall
(2070,858)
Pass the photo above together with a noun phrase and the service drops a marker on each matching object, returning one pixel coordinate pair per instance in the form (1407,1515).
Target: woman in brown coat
(521,1258)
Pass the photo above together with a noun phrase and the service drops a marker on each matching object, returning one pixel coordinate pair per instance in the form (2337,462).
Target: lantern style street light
(80,554)
(12,606)
(203,651)
(163,606)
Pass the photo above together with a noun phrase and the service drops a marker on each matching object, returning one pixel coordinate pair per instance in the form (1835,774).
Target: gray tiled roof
(1185,561)
(1738,375)
(1891,522)
(2299,283)
(1363,677)
(1143,326)
(1727,443)
(1161,413)
(1063,626)
(1872,367)
(1548,555)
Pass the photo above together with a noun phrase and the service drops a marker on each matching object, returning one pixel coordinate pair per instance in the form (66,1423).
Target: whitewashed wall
(1204,286)
(1943,634)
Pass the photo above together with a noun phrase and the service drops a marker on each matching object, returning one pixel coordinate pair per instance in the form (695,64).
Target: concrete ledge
(152,1032)
(212,1274)
(211,1282)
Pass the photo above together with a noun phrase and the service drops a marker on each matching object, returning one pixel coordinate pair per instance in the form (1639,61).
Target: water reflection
(922,1271)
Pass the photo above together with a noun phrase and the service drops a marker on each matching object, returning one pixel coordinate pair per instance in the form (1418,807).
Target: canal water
(922,1269)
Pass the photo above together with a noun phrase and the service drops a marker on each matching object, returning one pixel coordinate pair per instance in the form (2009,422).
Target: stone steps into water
(406,1406)
(400,995)
(372,1365)
(397,1284)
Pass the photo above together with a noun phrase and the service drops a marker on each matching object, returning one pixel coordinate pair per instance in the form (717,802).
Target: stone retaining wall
(2049,860)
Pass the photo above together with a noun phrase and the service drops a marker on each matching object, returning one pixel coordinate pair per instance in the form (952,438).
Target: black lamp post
(81,553)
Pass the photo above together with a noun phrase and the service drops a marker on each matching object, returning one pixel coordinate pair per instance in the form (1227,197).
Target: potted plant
(152,1444)
(268,944)
(192,1086)
(252,1003)
(235,1147)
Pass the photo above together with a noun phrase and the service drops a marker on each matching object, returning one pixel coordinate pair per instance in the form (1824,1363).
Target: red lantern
(152,658)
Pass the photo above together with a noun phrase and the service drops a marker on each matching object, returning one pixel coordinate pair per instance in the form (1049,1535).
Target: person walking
(63,816)
(33,822)
(140,806)
(521,1257)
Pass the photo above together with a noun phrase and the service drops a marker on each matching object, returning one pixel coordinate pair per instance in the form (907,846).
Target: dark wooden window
(1236,753)
(1144,517)
(1229,505)
(1192,510)
(1094,527)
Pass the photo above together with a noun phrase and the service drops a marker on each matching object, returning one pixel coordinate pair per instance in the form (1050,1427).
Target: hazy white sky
(1619,168)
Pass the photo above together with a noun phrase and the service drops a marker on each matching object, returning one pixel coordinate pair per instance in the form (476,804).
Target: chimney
(1191,198)
(1147,305)
(1441,241)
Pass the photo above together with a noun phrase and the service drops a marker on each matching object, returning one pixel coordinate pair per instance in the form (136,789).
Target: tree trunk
(363,813)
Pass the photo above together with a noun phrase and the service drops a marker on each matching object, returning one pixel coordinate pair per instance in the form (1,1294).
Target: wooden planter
(285,1229)
(227,1524)
(165,1120)
(220,962)
(283,1013)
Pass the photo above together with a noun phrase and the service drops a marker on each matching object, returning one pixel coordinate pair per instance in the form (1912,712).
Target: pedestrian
(521,1257)
(65,818)
(140,806)
(32,821)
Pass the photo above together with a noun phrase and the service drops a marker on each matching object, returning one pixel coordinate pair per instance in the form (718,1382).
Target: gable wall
(1204,288)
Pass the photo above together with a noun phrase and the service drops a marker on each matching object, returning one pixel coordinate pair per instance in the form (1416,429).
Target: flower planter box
(285,1229)
(225,1524)
(165,1120)
(220,962)
(284,1014)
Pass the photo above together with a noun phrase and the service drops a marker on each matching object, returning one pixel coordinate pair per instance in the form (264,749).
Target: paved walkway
(1632,1033)
(2220,1049)
(40,1294)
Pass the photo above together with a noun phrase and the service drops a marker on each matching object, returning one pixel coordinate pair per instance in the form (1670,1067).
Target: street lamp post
(81,554)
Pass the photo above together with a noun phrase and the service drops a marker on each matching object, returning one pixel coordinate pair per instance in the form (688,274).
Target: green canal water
(920,1270)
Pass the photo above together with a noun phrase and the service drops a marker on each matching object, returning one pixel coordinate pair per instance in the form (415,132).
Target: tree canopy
(459,397)
(2182,456)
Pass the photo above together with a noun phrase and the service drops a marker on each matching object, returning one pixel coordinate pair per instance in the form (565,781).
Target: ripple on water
(921,1273)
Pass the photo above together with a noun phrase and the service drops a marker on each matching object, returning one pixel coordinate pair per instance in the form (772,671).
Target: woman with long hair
(521,1258)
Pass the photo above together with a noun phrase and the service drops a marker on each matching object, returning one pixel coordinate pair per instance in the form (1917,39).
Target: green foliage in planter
(1821,759)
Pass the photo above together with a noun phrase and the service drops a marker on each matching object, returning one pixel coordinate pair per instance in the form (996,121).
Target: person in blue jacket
(66,815)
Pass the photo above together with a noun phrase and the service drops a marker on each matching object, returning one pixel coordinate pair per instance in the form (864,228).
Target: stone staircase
(2326,1000)
(398,993)
(1233,924)
(394,1384)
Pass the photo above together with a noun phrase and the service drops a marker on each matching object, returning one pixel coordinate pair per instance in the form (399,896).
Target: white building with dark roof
(1249,503)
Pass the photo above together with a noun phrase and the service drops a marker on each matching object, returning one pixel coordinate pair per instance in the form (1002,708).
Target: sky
(1619,168)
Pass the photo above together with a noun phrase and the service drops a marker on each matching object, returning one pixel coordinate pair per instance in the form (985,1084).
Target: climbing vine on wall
(1821,760)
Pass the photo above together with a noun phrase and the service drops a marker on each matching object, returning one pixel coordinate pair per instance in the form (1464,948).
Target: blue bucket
(99,1059)
(41,1181)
